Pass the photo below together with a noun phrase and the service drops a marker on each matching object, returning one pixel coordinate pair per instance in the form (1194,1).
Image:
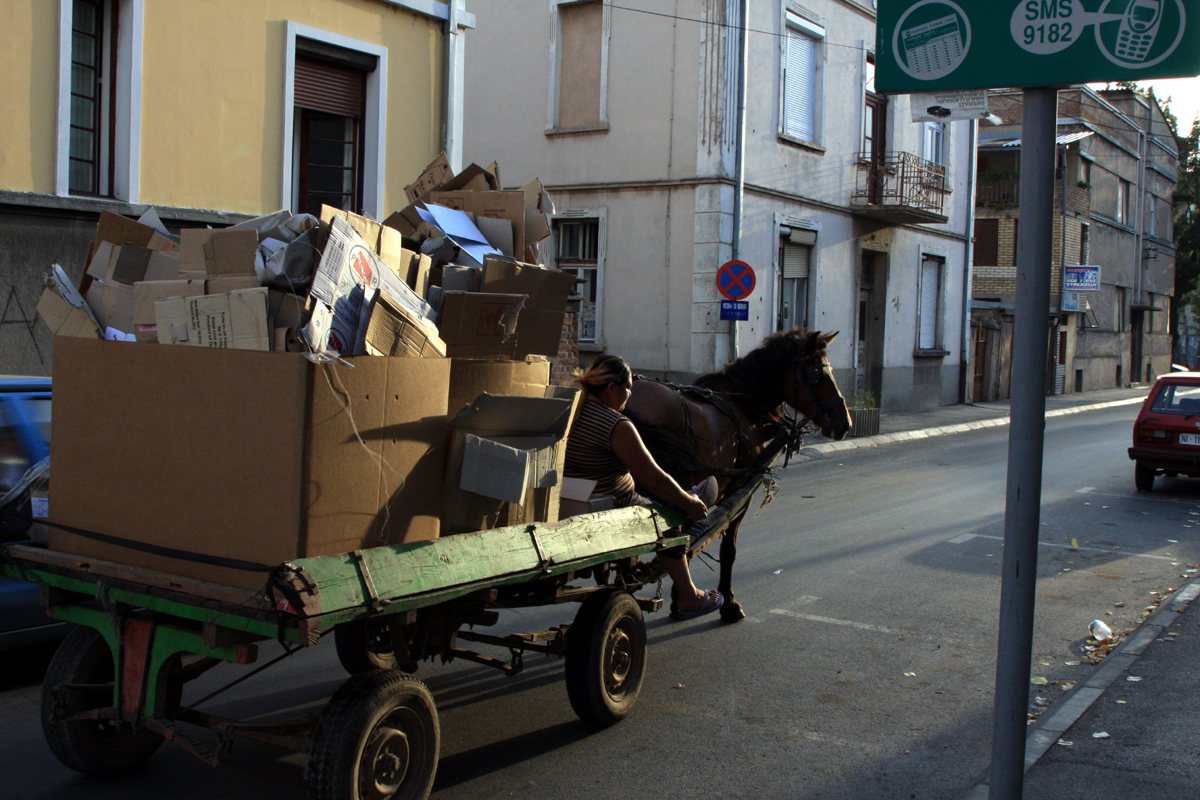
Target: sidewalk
(1141,697)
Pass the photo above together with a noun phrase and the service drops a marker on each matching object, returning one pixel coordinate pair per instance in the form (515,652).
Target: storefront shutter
(325,87)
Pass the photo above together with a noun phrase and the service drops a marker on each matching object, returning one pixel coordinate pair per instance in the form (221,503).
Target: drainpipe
(740,163)
(452,94)
(968,274)
(1141,210)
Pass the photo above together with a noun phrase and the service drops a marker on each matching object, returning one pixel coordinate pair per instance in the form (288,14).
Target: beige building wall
(29,86)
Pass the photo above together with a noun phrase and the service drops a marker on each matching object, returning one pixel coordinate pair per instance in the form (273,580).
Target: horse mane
(757,373)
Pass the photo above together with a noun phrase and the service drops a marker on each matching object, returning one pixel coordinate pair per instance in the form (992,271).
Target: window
(1085,243)
(935,142)
(99,98)
(795,263)
(1122,214)
(987,243)
(802,79)
(578,251)
(579,66)
(335,122)
(930,309)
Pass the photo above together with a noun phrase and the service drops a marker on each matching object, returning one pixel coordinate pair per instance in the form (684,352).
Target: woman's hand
(695,508)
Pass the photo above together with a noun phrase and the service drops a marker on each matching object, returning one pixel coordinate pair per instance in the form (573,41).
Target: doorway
(872,310)
(1136,321)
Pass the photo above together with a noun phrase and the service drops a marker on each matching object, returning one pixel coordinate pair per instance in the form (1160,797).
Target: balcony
(997,190)
(898,188)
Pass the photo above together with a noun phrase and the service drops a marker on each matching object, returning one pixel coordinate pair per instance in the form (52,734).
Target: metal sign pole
(1025,442)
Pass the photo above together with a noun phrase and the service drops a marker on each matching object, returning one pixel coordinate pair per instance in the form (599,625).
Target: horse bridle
(804,376)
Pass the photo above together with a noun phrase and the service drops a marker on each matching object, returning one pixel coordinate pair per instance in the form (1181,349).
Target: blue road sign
(735,280)
(735,310)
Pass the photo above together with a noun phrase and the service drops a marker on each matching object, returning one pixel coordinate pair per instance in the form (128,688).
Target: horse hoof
(732,612)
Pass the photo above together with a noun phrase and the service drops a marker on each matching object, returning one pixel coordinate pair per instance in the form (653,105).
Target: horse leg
(731,610)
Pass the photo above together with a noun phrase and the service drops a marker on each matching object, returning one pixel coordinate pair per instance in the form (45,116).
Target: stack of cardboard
(285,452)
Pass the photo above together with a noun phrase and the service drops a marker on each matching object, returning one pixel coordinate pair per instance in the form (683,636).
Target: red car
(1166,436)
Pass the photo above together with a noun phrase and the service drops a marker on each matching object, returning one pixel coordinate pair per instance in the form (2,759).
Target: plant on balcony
(1084,185)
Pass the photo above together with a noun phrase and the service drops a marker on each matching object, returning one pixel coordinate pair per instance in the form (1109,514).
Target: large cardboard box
(471,377)
(240,454)
(539,328)
(477,325)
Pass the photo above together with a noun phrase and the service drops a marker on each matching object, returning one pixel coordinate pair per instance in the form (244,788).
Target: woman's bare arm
(628,445)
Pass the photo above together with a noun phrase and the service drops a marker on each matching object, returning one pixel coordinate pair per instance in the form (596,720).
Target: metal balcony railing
(900,181)
(996,192)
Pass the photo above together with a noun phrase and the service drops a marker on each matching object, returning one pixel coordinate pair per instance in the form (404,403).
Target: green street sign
(936,45)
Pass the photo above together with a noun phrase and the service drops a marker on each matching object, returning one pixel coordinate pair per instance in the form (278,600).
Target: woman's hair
(603,371)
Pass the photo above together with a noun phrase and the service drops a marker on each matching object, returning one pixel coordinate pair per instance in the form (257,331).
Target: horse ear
(829,337)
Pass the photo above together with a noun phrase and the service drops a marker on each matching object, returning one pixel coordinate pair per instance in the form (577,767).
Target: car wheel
(1143,477)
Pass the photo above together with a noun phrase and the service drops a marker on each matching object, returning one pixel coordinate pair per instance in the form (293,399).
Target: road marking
(966,537)
(862,626)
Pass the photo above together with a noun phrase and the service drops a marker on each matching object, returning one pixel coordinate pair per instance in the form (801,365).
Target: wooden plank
(140,576)
(418,568)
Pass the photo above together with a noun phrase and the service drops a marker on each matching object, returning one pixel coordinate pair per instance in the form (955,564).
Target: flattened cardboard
(395,331)
(217,253)
(112,303)
(267,481)
(147,293)
(475,325)
(368,229)
(222,285)
(64,310)
(539,328)
(508,206)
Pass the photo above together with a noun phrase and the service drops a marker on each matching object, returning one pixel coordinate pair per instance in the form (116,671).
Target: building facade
(853,217)
(209,113)
(1114,201)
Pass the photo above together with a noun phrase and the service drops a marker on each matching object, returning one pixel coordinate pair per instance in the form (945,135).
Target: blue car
(24,441)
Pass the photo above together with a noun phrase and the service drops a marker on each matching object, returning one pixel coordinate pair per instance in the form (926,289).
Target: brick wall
(562,368)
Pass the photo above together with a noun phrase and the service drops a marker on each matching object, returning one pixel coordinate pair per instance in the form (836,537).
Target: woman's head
(608,379)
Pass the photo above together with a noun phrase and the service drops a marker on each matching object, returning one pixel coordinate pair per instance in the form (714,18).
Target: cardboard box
(542,421)
(470,377)
(112,303)
(495,470)
(437,172)
(285,310)
(234,321)
(147,293)
(474,325)
(395,331)
(242,455)
(509,206)
(207,253)
(368,229)
(64,310)
(539,328)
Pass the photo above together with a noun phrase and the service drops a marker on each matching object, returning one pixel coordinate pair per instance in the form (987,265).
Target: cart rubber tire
(364,645)
(1143,477)
(378,738)
(94,748)
(606,658)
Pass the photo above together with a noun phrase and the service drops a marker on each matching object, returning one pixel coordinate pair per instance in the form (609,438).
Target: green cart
(113,692)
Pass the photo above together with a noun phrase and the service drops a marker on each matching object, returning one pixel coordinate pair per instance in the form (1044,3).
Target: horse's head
(811,388)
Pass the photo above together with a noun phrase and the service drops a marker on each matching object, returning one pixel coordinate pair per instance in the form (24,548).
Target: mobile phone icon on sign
(1138,29)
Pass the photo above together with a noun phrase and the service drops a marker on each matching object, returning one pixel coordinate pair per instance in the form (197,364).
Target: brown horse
(721,424)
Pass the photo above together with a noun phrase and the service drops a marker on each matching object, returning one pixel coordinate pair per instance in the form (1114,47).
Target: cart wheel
(606,658)
(1143,477)
(364,645)
(103,748)
(378,738)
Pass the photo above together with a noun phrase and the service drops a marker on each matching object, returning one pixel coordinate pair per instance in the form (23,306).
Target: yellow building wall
(212,96)
(29,89)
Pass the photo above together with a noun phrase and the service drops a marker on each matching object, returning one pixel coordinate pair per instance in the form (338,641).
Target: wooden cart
(113,692)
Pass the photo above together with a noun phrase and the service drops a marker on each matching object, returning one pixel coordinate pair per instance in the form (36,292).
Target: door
(979,365)
(872,308)
(874,146)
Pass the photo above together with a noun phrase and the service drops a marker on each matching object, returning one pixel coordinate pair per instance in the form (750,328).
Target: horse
(720,425)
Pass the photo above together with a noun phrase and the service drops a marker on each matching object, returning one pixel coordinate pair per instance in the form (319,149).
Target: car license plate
(1189,438)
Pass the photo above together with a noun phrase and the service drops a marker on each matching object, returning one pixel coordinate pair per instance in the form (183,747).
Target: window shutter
(987,242)
(328,88)
(796,260)
(929,296)
(799,95)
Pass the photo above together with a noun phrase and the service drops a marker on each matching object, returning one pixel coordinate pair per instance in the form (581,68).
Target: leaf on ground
(1101,735)
(1120,604)
(910,674)
(1039,680)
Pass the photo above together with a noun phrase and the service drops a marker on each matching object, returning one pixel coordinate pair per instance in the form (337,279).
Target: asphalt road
(865,668)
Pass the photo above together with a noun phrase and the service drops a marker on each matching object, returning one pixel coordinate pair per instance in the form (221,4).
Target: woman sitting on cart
(604,446)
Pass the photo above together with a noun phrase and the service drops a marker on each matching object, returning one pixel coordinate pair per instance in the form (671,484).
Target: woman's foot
(701,604)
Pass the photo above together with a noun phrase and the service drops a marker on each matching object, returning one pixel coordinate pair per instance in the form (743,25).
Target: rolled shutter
(800,93)
(325,87)
(796,260)
(929,296)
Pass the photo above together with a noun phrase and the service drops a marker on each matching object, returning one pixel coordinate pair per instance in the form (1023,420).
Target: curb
(816,451)
(1048,728)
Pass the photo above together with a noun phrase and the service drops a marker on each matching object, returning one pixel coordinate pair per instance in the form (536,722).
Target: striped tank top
(590,454)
